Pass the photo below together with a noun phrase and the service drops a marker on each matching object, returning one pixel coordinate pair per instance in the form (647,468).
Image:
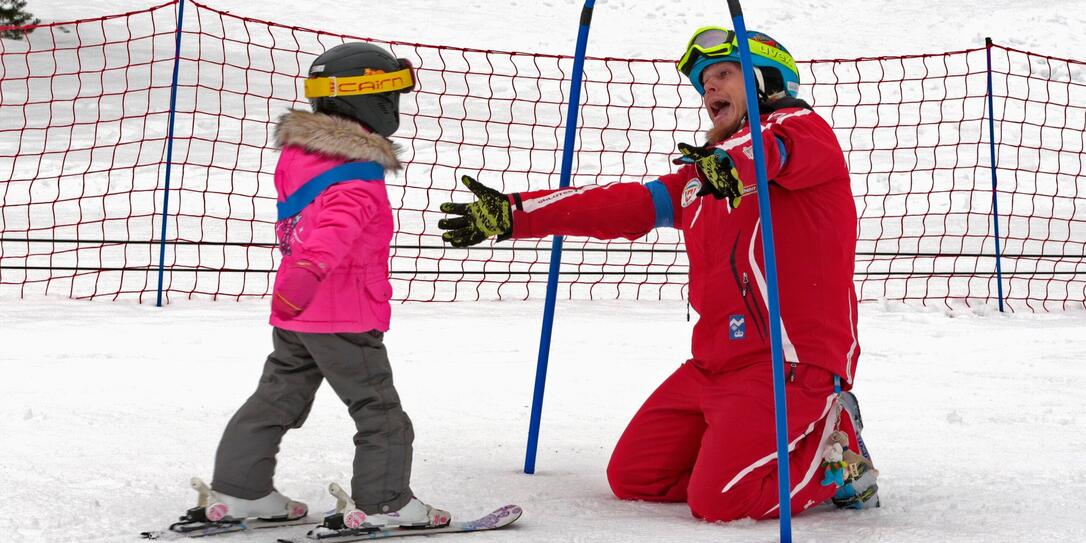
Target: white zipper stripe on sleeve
(533,204)
(696,215)
(790,354)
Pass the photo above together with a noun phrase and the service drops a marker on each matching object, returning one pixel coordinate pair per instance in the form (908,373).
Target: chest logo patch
(690,192)
(737,327)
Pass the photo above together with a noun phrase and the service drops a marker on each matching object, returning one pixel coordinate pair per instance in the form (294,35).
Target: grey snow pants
(357,368)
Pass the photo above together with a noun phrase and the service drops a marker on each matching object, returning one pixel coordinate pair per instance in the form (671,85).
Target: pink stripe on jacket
(347,229)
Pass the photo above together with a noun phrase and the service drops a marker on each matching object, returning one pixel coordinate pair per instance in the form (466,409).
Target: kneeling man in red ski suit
(706,436)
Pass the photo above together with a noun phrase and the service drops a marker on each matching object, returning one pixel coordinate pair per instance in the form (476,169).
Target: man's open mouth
(719,108)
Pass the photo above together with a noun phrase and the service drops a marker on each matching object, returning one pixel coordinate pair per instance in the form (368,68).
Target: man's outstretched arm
(619,210)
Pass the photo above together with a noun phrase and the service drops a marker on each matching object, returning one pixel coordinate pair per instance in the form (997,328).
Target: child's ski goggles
(373,82)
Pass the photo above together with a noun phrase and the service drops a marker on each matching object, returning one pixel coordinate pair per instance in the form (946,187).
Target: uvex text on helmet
(379,112)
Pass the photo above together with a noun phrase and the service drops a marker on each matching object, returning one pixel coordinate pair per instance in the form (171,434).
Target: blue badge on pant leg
(737,327)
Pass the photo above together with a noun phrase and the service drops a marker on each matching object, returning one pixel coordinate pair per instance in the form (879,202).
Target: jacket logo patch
(737,327)
(289,233)
(690,192)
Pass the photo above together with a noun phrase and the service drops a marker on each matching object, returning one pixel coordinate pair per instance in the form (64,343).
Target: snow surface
(106,409)
(974,418)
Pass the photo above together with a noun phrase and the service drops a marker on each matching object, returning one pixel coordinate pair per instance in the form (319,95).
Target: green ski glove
(716,171)
(489,215)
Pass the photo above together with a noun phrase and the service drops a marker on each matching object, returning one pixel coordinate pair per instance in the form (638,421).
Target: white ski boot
(217,513)
(224,507)
(413,515)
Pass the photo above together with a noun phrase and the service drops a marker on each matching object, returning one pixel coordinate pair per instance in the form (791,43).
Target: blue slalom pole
(556,244)
(169,149)
(995,199)
(755,123)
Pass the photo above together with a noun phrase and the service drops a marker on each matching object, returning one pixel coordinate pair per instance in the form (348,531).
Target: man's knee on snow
(709,503)
(620,483)
(633,484)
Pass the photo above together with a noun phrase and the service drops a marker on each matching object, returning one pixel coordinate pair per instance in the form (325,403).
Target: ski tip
(509,510)
(499,518)
(511,514)
(514,511)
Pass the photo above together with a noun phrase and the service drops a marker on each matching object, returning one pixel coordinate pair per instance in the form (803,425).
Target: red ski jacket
(814,225)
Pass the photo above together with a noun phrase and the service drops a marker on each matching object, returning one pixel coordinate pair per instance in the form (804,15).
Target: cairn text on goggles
(401,80)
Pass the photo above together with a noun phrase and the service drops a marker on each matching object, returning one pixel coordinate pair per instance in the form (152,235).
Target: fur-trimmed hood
(336,136)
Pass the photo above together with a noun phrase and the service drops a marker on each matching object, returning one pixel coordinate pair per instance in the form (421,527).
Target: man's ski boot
(347,519)
(222,512)
(859,489)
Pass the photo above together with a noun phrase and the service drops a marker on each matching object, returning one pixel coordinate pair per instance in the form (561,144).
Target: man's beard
(719,133)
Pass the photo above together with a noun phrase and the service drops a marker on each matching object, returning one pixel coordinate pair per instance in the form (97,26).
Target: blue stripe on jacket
(661,202)
(783,152)
(351,171)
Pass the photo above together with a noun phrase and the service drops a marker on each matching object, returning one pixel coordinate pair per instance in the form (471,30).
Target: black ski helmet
(378,111)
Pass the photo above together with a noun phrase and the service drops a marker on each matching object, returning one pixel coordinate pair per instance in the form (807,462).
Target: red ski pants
(710,440)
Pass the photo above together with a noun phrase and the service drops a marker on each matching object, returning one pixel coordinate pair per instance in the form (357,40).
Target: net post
(556,243)
(995,182)
(768,249)
(169,149)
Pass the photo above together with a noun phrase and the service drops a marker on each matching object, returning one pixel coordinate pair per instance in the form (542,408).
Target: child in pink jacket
(330,304)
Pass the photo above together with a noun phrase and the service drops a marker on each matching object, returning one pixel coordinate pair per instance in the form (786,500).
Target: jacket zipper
(743,284)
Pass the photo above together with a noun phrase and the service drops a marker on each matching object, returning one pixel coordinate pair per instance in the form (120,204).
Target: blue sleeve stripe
(783,151)
(661,201)
(351,171)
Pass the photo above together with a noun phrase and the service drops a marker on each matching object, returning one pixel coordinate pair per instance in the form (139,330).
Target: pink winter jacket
(347,229)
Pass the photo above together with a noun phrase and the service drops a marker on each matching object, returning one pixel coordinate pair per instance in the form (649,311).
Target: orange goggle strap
(320,87)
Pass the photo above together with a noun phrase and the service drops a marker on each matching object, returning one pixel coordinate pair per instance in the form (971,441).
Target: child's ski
(499,518)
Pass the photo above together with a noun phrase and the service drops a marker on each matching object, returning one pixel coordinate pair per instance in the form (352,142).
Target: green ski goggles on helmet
(709,41)
(713,44)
